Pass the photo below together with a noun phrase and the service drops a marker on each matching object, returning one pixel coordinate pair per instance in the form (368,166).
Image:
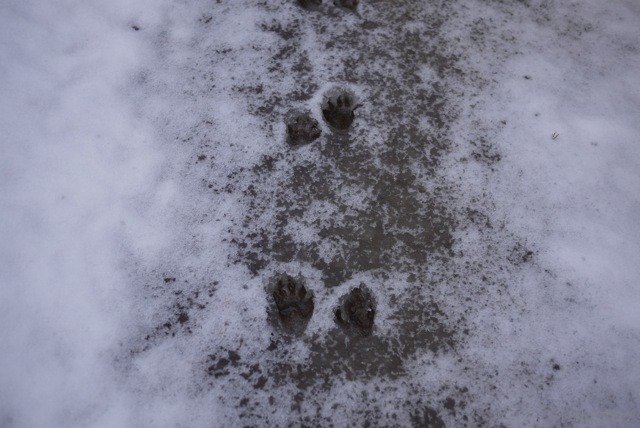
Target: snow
(487,194)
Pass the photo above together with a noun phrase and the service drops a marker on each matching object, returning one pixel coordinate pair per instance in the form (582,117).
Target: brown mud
(403,225)
(389,212)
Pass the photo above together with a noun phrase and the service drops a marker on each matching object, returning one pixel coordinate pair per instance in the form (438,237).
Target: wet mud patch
(279,378)
(370,200)
(380,219)
(354,350)
(388,166)
(373,202)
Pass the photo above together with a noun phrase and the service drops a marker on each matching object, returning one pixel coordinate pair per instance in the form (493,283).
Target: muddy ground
(360,190)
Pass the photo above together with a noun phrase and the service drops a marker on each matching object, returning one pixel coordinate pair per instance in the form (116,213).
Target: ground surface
(475,164)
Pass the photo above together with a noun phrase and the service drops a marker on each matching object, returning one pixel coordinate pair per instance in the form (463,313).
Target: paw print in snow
(357,309)
(294,301)
(301,128)
(338,108)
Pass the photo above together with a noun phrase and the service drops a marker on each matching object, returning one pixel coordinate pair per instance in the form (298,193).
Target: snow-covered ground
(488,194)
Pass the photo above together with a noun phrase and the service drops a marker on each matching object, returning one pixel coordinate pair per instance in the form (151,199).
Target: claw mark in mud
(357,310)
(302,128)
(294,301)
(338,108)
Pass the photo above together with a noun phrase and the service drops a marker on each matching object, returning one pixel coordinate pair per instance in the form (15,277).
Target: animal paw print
(347,4)
(301,128)
(294,301)
(338,109)
(357,309)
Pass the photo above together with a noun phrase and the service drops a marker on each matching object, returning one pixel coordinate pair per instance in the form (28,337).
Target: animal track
(301,128)
(294,301)
(338,108)
(357,309)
